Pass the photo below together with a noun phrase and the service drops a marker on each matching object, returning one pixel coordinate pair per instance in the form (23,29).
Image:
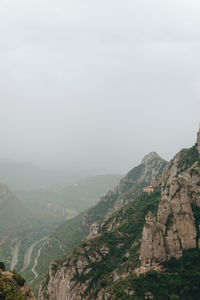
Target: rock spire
(198,139)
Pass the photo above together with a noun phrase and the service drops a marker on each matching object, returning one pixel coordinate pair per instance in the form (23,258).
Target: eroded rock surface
(175,229)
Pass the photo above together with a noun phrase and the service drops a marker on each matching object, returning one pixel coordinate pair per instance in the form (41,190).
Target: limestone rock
(175,229)
(147,173)
(94,230)
(152,246)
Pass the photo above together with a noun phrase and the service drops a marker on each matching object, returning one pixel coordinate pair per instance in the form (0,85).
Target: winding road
(35,265)
(27,257)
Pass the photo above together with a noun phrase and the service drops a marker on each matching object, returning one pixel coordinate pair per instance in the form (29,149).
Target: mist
(94,86)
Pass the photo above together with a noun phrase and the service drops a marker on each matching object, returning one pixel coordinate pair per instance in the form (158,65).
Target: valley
(29,217)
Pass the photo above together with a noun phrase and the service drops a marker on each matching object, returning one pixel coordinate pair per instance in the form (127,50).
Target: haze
(95,85)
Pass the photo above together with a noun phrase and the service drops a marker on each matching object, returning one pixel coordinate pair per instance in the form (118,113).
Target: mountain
(131,254)
(13,219)
(12,211)
(75,230)
(28,219)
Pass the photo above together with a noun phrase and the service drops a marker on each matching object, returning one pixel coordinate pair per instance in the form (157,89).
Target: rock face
(198,140)
(62,281)
(109,253)
(152,242)
(175,229)
(148,172)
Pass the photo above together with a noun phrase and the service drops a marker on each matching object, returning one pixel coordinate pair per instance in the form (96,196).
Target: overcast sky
(96,85)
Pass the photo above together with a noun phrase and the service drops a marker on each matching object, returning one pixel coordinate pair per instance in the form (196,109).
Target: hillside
(13,287)
(12,211)
(130,256)
(20,227)
(66,202)
(27,220)
(73,231)
(13,220)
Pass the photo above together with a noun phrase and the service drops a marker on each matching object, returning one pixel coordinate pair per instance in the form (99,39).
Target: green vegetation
(18,278)
(73,231)
(10,284)
(196,212)
(37,213)
(188,158)
(2,266)
(123,239)
(179,281)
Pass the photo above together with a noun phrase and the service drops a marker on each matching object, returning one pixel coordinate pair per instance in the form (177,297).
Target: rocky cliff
(148,172)
(110,253)
(13,287)
(176,228)
(198,140)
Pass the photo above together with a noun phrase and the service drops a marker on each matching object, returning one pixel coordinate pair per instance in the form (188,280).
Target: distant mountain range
(27,176)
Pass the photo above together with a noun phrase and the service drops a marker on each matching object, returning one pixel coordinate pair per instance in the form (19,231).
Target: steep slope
(73,231)
(13,287)
(20,227)
(176,228)
(122,259)
(12,211)
(13,219)
(112,252)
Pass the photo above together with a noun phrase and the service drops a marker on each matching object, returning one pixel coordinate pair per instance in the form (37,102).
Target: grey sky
(97,84)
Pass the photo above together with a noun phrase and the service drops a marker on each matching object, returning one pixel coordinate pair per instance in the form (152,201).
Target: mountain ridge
(128,188)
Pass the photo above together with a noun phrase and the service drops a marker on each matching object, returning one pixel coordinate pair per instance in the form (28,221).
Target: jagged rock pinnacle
(198,139)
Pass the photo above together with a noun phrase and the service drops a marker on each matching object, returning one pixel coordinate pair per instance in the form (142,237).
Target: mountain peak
(149,157)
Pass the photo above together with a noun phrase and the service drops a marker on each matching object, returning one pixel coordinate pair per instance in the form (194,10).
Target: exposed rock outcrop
(198,140)
(175,229)
(152,242)
(148,172)
(110,255)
